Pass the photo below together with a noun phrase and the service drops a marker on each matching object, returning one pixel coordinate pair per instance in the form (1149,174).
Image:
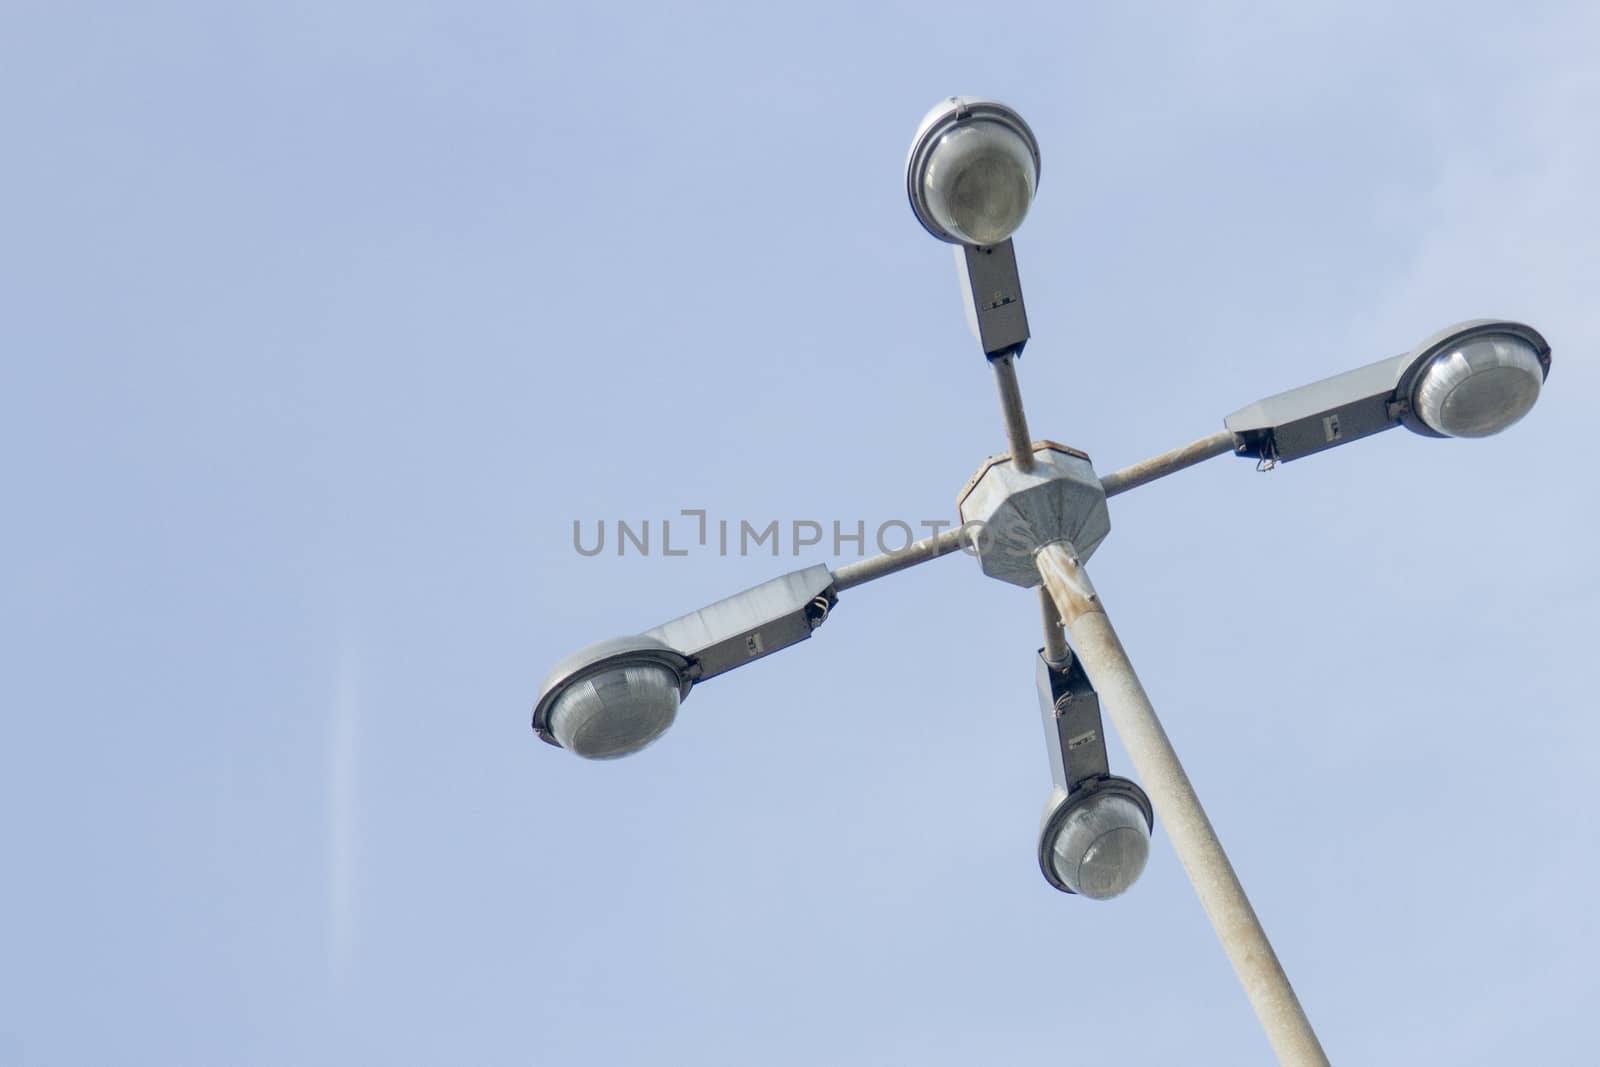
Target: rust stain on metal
(1067,583)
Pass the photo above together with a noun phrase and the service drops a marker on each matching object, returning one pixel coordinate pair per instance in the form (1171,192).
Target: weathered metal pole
(874,567)
(1178,807)
(1017,439)
(1218,444)
(1055,643)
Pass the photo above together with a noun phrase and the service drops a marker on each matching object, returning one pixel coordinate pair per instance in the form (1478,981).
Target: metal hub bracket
(1012,513)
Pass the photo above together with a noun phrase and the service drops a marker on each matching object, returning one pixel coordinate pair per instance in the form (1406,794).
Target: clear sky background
(320,324)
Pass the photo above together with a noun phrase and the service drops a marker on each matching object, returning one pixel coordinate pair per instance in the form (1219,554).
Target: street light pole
(1194,839)
(1032,516)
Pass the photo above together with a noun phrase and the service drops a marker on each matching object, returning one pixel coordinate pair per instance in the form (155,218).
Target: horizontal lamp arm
(866,570)
(1219,443)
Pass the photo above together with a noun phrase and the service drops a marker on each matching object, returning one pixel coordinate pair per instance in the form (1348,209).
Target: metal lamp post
(1033,516)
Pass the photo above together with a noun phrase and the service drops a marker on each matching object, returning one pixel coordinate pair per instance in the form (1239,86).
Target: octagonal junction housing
(1060,499)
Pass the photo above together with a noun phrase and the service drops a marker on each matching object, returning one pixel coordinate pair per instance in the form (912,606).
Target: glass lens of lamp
(616,712)
(1480,386)
(978,182)
(1102,846)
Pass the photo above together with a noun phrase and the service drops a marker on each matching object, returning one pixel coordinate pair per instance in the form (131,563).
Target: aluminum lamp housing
(612,698)
(972,171)
(1095,840)
(1473,379)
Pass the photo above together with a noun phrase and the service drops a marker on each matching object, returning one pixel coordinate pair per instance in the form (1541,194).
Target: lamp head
(612,698)
(1096,839)
(1474,379)
(972,171)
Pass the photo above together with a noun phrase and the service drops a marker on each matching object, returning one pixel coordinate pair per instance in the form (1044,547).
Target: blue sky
(323,323)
